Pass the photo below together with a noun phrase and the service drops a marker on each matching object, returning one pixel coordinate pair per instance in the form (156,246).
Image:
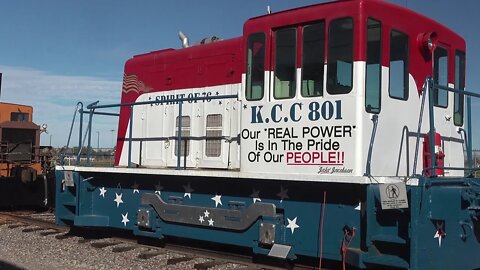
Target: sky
(54,53)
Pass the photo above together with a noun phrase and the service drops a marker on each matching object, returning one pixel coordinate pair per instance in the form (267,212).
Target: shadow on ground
(8,266)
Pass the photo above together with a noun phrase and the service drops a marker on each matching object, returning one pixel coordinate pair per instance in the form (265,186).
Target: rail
(428,88)
(91,111)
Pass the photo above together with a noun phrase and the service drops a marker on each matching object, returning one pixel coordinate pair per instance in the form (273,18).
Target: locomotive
(25,173)
(336,131)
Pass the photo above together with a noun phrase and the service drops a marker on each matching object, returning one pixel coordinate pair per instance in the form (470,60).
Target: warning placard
(393,196)
(68,178)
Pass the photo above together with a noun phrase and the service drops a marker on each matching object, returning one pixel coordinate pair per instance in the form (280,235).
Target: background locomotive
(26,174)
(309,136)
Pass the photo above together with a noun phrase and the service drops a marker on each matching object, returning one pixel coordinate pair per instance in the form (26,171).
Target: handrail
(78,109)
(430,86)
(449,168)
(469,154)
(469,132)
(179,139)
(432,126)
(94,106)
(160,102)
(130,134)
(92,110)
(455,90)
(81,142)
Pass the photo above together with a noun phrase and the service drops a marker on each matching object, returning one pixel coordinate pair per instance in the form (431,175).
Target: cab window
(313,59)
(460,85)
(19,116)
(398,75)
(374,66)
(285,63)
(255,66)
(440,76)
(340,56)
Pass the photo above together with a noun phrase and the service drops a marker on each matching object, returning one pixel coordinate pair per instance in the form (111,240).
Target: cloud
(54,98)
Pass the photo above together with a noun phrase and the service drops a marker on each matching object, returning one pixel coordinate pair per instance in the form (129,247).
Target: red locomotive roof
(211,64)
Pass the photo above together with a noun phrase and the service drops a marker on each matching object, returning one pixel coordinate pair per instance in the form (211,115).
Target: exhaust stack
(184,39)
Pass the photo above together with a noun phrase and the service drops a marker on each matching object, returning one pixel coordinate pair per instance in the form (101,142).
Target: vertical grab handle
(419,129)
(370,147)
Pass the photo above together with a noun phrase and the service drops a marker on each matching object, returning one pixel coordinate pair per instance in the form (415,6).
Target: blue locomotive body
(284,219)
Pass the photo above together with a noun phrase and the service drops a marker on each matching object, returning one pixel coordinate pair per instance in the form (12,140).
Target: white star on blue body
(135,188)
(188,191)
(218,200)
(255,196)
(103,191)
(158,188)
(283,194)
(359,206)
(292,224)
(439,235)
(118,199)
(125,219)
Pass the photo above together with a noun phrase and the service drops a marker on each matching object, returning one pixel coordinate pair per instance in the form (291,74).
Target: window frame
(306,26)
(248,72)
(19,117)
(335,88)
(185,143)
(216,142)
(436,101)
(379,66)
(406,67)
(275,61)
(461,86)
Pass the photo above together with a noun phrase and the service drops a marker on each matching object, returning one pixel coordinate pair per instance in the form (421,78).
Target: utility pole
(113,143)
(98,141)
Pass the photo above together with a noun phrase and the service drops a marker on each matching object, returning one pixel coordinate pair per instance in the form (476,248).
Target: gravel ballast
(31,250)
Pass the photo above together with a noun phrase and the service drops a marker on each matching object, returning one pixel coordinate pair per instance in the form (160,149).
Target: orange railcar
(22,179)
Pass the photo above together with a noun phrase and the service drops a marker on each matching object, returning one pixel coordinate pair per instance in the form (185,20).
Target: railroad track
(117,247)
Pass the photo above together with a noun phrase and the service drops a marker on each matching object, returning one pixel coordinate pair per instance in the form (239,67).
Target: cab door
(457,109)
(442,100)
